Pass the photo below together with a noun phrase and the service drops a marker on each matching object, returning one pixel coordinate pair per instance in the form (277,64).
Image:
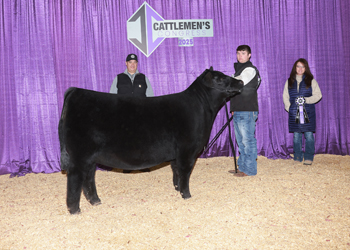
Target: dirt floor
(285,206)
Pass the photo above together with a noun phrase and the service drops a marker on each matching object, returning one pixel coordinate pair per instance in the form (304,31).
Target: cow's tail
(66,96)
(64,154)
(65,159)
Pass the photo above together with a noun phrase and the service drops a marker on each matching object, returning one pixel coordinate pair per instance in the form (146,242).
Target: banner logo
(147,29)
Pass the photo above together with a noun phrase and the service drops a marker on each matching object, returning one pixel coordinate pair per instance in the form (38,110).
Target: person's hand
(231,113)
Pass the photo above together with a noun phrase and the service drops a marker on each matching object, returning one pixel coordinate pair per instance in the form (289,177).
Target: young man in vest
(131,81)
(245,109)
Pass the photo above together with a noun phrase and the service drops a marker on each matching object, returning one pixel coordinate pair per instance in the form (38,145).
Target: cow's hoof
(177,188)
(185,196)
(95,202)
(73,212)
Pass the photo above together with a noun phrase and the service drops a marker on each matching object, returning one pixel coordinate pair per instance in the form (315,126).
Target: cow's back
(128,132)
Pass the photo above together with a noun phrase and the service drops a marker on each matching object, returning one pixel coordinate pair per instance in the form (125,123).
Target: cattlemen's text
(166,25)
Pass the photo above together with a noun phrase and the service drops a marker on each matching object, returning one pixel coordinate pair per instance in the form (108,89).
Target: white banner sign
(147,29)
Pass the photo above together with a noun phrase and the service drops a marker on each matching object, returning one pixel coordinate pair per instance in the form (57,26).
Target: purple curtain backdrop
(47,46)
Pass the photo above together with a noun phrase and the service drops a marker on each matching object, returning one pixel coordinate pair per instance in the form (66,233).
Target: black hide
(134,133)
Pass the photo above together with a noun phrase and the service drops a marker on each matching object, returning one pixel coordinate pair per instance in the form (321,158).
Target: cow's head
(221,82)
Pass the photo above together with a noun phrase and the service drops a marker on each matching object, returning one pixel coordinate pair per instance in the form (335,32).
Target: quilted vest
(310,109)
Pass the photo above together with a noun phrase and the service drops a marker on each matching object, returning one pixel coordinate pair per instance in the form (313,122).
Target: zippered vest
(310,108)
(247,100)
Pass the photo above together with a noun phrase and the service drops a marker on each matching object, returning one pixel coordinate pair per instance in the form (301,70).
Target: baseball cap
(131,57)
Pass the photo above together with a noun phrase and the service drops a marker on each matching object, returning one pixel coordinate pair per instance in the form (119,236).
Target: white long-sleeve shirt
(246,75)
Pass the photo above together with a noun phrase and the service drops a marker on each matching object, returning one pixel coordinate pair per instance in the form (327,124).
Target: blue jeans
(299,155)
(244,124)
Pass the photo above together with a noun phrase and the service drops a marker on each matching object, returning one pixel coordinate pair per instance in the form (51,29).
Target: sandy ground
(285,206)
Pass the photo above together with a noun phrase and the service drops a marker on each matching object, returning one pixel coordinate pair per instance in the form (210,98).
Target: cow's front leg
(175,175)
(89,186)
(184,184)
(74,186)
(185,169)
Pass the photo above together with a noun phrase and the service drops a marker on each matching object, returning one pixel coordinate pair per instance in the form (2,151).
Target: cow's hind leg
(74,187)
(175,175)
(89,186)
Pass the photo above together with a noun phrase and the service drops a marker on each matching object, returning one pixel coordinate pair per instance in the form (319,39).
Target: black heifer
(135,133)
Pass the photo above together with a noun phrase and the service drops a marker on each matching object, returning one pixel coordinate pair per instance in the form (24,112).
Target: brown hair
(244,48)
(307,73)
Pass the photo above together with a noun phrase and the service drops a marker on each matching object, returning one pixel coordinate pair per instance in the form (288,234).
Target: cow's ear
(208,79)
(211,68)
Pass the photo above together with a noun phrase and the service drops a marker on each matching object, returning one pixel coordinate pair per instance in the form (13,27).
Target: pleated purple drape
(47,46)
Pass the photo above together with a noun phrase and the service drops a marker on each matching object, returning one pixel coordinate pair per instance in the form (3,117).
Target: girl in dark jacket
(301,92)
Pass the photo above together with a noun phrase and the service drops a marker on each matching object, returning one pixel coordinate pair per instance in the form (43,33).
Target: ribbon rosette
(301,116)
